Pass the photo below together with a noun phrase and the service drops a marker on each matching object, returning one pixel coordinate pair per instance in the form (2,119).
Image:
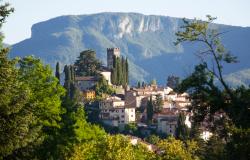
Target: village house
(138,97)
(114,112)
(168,119)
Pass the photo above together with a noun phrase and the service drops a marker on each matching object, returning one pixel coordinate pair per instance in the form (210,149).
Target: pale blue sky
(28,12)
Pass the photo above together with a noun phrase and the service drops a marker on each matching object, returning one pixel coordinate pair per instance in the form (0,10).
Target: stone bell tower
(111,52)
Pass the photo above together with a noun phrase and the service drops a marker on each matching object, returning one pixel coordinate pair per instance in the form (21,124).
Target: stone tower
(110,53)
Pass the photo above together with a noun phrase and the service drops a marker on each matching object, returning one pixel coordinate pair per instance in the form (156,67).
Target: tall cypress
(123,75)
(119,71)
(72,72)
(114,72)
(67,80)
(57,74)
(127,71)
(66,73)
(182,131)
(150,110)
(138,84)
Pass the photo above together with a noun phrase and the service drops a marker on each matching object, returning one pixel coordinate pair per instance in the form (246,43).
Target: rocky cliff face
(147,41)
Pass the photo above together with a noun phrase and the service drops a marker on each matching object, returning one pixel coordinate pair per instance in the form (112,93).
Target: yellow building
(89,95)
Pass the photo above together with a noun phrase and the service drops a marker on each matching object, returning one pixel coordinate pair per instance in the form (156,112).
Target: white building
(106,73)
(167,122)
(137,97)
(115,113)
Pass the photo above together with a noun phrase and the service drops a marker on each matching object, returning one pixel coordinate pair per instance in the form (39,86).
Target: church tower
(111,52)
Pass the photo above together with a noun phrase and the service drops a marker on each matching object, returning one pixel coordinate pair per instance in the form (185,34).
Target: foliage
(150,109)
(138,84)
(172,149)
(87,64)
(111,148)
(158,103)
(239,144)
(215,148)
(182,131)
(119,74)
(153,139)
(131,128)
(31,105)
(102,88)
(5,11)
(225,108)
(57,74)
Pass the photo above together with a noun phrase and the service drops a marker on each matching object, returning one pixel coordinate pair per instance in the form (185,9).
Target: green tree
(57,74)
(182,131)
(118,71)
(173,149)
(114,147)
(127,71)
(72,71)
(138,84)
(102,88)
(27,125)
(150,109)
(215,148)
(207,98)
(158,104)
(15,119)
(87,64)
(153,139)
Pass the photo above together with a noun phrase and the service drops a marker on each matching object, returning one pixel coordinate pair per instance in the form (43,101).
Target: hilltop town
(99,109)
(139,110)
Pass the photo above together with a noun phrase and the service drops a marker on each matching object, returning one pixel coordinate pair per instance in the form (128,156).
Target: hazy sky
(28,12)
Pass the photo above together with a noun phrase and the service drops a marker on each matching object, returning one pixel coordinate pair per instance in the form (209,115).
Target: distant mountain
(239,78)
(147,41)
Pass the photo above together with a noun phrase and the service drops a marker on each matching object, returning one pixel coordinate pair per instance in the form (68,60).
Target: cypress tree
(72,72)
(126,70)
(118,71)
(150,110)
(57,74)
(138,84)
(67,80)
(123,68)
(182,131)
(114,72)
(66,73)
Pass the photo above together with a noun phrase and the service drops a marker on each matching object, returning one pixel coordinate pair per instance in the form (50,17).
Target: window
(132,115)
(122,110)
(122,116)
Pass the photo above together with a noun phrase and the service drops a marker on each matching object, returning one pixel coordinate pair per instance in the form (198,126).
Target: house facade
(114,112)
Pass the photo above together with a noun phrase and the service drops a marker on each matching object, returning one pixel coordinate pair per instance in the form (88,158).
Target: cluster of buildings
(86,83)
(131,105)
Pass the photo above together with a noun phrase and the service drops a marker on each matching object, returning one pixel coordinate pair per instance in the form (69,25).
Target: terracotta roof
(86,78)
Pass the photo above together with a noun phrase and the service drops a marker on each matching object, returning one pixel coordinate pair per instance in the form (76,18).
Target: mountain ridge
(147,41)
